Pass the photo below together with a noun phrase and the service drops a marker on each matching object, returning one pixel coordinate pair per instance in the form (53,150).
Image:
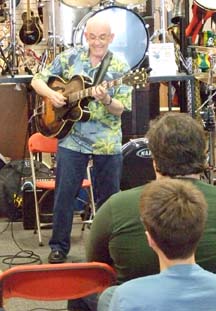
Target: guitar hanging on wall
(30,32)
(57,122)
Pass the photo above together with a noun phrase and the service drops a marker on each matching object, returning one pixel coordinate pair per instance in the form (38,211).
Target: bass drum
(206,4)
(137,164)
(63,21)
(131,35)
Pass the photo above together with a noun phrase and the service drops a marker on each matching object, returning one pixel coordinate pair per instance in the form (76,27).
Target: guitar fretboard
(88,92)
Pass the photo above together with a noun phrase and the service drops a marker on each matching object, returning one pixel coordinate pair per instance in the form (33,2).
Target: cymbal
(205,49)
(81,3)
(204,77)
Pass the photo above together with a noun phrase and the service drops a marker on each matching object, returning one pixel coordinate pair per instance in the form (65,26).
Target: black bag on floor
(11,180)
(2,161)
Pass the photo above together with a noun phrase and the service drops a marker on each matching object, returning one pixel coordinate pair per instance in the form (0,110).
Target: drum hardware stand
(8,68)
(12,46)
(106,3)
(208,119)
(160,33)
(53,28)
(49,53)
(51,42)
(162,20)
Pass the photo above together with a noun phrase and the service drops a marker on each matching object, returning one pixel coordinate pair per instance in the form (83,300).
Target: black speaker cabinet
(145,106)
(46,206)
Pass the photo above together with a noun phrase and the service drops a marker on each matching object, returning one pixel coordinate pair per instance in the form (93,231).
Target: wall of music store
(50,28)
(11,22)
(50,18)
(32,28)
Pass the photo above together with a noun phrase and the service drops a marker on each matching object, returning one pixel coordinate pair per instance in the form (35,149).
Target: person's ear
(158,175)
(154,165)
(151,241)
(86,36)
(111,37)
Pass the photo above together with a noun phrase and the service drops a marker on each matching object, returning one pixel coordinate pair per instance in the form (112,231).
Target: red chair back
(55,281)
(40,143)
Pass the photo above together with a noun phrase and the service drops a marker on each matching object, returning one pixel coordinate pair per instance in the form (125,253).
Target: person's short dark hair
(178,144)
(174,212)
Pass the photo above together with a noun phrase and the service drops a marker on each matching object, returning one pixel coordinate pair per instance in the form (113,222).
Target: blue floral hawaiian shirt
(101,134)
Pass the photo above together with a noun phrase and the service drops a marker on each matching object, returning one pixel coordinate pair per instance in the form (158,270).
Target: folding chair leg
(91,203)
(93,209)
(37,212)
(38,223)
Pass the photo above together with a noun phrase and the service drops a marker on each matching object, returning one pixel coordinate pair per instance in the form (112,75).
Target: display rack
(182,77)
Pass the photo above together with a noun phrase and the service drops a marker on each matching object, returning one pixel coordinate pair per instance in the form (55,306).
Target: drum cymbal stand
(208,119)
(8,68)
(12,59)
(8,54)
(160,34)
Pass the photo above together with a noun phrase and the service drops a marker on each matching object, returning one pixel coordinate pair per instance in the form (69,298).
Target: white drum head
(206,4)
(131,36)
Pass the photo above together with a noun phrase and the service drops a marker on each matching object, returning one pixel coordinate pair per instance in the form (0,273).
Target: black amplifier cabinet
(145,106)
(46,206)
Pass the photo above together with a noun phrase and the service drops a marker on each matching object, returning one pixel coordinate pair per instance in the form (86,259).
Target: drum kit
(137,164)
(128,26)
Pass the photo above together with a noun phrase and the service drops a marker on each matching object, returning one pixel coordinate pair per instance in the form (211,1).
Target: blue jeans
(70,172)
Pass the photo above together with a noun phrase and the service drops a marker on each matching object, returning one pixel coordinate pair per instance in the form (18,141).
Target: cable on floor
(6,227)
(17,259)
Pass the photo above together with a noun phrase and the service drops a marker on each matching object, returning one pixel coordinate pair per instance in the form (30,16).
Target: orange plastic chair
(39,143)
(51,282)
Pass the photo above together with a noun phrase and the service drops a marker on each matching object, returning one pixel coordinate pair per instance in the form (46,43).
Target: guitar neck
(28,10)
(78,95)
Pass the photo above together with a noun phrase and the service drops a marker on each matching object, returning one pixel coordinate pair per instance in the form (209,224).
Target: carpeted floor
(19,246)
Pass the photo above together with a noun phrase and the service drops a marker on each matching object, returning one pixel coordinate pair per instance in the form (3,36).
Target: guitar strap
(103,68)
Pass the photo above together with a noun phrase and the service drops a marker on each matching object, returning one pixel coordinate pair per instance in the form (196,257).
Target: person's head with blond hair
(174,213)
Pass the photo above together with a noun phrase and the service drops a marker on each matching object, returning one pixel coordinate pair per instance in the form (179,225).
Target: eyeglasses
(100,38)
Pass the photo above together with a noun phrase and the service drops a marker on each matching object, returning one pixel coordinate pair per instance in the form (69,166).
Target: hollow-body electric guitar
(57,122)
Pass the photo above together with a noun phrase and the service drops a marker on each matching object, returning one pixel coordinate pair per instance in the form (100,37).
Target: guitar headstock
(137,78)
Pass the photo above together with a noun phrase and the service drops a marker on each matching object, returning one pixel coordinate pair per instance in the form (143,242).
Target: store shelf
(7,79)
(183,78)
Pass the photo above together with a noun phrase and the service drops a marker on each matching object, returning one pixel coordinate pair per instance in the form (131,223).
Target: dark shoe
(57,257)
